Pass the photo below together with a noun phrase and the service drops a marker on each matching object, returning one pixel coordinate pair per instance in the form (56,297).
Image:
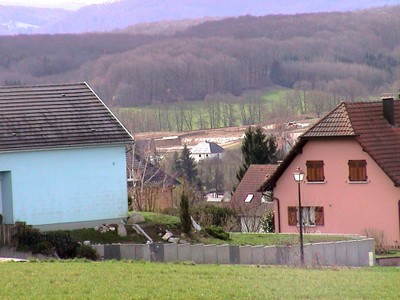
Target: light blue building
(62,157)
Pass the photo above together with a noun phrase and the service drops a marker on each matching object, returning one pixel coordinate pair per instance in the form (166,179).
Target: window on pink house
(357,170)
(312,216)
(315,171)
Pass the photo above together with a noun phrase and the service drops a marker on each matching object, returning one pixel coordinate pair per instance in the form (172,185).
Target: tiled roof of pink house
(363,121)
(336,123)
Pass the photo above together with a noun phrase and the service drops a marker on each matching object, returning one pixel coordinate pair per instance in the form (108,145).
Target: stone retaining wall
(346,253)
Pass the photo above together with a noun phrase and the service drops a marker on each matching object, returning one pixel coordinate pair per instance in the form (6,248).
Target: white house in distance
(62,157)
(206,150)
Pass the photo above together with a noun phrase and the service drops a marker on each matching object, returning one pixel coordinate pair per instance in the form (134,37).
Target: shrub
(379,237)
(217,232)
(267,221)
(208,214)
(130,203)
(186,222)
(28,237)
(36,241)
(86,251)
(43,247)
(64,244)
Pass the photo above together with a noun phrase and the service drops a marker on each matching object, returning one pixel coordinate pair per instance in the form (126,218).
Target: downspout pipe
(278,213)
(397,242)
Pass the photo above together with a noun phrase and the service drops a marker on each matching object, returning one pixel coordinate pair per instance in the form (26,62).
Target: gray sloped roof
(207,148)
(56,116)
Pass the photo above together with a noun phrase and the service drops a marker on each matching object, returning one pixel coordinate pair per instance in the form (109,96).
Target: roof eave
(65,147)
(271,181)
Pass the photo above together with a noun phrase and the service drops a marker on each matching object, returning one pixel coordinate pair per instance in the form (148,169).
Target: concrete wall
(64,186)
(347,253)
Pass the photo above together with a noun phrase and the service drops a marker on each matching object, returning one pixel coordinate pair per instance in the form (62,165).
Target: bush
(86,251)
(36,241)
(130,203)
(379,237)
(217,232)
(43,247)
(267,221)
(28,237)
(208,214)
(64,244)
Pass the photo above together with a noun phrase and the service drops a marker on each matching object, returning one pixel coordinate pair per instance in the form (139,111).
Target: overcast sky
(66,4)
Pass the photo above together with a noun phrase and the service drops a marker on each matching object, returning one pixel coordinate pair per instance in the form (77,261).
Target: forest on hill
(346,55)
(119,14)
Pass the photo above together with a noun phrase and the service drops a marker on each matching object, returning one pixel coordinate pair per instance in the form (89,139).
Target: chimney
(388,108)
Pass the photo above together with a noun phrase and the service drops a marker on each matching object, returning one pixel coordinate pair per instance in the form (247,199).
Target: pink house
(351,161)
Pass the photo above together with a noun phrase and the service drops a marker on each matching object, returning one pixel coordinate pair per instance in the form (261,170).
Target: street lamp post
(298,177)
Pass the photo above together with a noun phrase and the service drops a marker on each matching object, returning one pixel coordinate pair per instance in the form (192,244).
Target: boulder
(173,240)
(122,230)
(167,235)
(135,218)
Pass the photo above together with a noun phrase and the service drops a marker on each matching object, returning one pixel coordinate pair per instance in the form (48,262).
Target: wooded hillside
(346,54)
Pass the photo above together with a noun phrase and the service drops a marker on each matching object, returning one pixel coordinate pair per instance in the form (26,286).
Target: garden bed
(389,259)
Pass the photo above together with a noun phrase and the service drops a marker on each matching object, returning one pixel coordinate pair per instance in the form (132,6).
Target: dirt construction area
(174,141)
(229,137)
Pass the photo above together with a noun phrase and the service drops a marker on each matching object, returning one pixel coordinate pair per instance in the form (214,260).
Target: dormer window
(267,197)
(315,171)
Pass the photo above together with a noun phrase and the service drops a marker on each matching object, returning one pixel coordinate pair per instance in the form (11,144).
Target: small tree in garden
(268,221)
(186,222)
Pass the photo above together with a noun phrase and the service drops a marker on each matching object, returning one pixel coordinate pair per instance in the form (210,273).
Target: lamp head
(298,175)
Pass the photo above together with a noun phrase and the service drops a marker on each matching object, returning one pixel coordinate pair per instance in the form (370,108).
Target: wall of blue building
(61,186)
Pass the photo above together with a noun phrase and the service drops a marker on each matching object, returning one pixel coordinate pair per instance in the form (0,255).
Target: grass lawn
(269,239)
(161,219)
(140,280)
(390,253)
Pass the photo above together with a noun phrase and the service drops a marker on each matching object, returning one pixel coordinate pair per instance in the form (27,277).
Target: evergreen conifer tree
(186,167)
(186,222)
(257,148)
